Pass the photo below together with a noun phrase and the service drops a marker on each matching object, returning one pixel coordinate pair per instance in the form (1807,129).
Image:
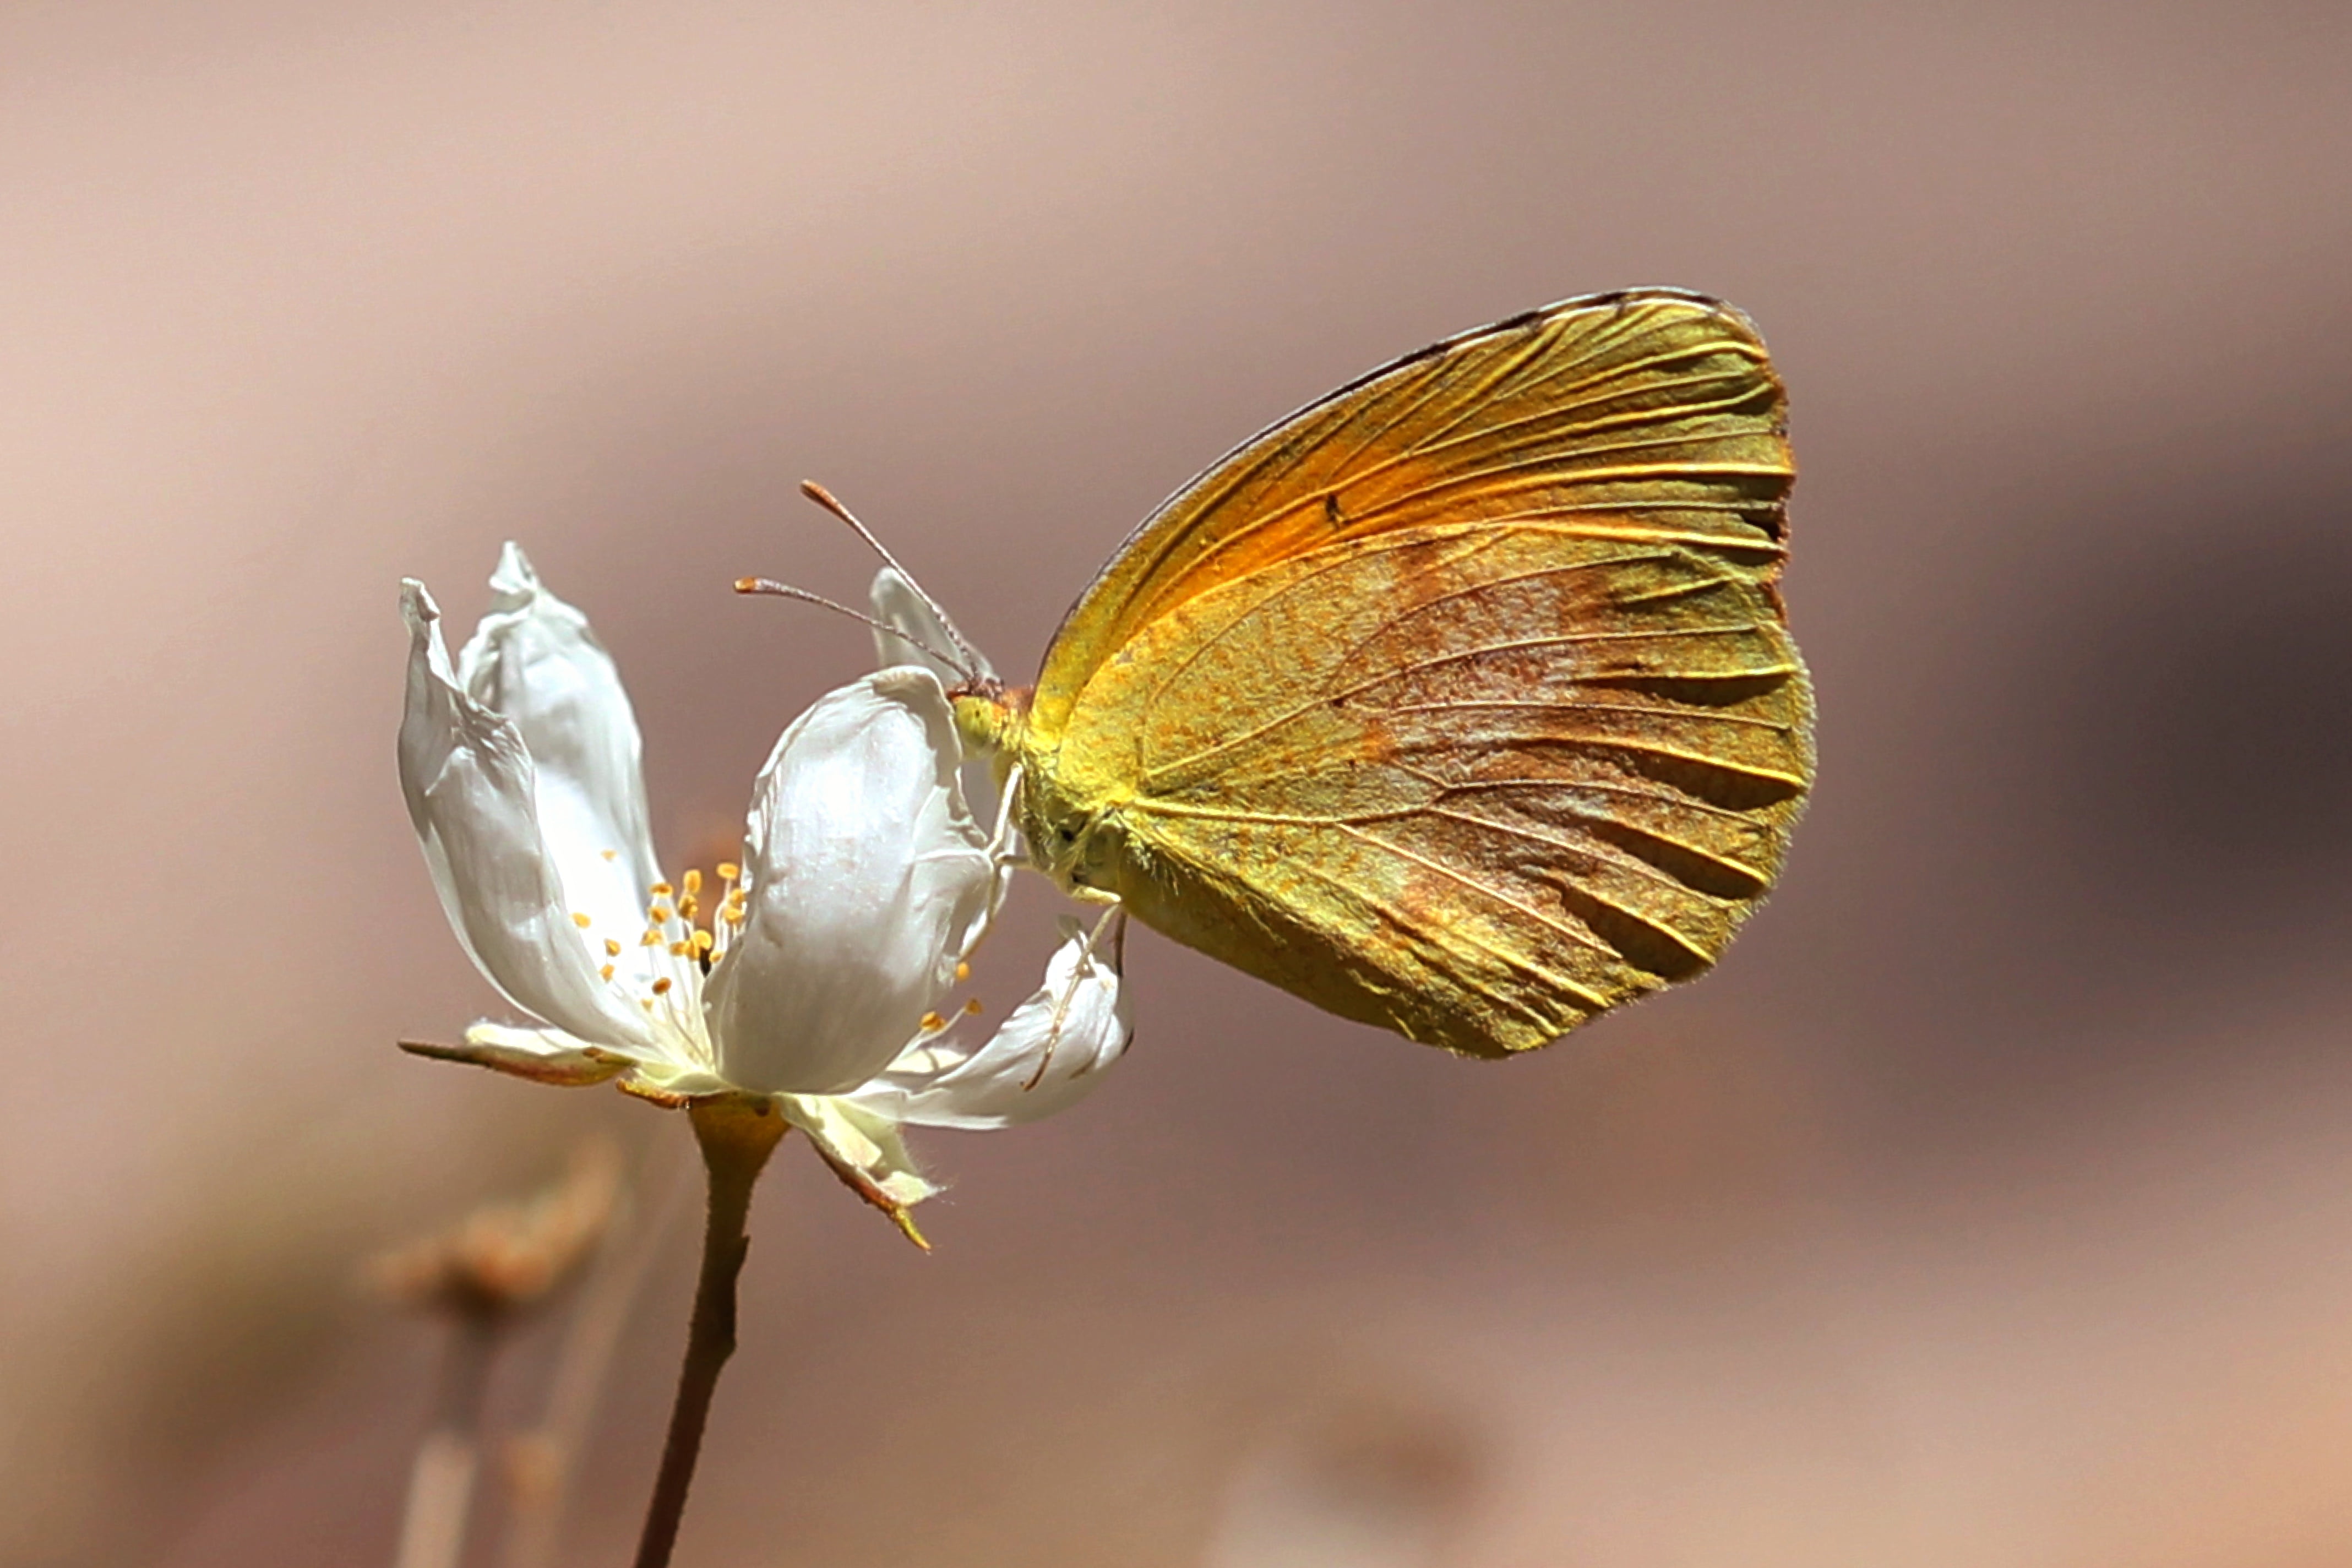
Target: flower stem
(737,1137)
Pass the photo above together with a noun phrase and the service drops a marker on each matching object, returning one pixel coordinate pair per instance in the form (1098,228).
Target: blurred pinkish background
(1993,1204)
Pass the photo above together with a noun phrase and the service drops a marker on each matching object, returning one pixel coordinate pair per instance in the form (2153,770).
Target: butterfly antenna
(769,587)
(971,661)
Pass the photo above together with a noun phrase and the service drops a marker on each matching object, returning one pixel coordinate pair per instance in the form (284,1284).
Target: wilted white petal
(1075,1026)
(471,794)
(864,1149)
(534,661)
(543,1056)
(923,633)
(867,878)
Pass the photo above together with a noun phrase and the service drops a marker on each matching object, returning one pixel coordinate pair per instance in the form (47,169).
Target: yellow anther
(611,948)
(972,1008)
(932,1021)
(659,913)
(611,853)
(651,938)
(606,972)
(583,922)
(728,870)
(686,906)
(661,889)
(661,985)
(704,942)
(693,881)
(963,970)
(733,915)
(680,949)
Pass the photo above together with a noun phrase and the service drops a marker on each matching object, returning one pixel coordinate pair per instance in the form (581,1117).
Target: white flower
(819,973)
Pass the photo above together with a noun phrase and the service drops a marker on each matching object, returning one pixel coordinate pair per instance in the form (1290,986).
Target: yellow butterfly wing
(1459,702)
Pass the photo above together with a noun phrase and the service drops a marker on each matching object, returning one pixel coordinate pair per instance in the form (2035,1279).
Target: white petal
(868,878)
(1076,1026)
(543,1056)
(470,791)
(925,639)
(864,1150)
(534,661)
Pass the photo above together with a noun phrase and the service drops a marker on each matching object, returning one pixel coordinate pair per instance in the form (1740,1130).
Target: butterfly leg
(1004,843)
(1003,855)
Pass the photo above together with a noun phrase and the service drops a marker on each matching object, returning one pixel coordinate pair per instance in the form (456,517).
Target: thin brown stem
(737,1137)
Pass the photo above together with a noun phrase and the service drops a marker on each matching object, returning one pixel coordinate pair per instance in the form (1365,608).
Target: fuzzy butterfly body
(1459,702)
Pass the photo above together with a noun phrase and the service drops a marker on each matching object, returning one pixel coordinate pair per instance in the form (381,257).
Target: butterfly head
(1075,836)
(992,718)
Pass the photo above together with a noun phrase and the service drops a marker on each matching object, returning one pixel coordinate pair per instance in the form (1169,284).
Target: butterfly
(1460,702)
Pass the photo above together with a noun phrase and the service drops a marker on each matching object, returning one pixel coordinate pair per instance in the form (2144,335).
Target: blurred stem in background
(441,1481)
(737,1134)
(544,1464)
(481,1276)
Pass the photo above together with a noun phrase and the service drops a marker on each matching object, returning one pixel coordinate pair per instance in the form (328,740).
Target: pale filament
(681,939)
(687,938)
